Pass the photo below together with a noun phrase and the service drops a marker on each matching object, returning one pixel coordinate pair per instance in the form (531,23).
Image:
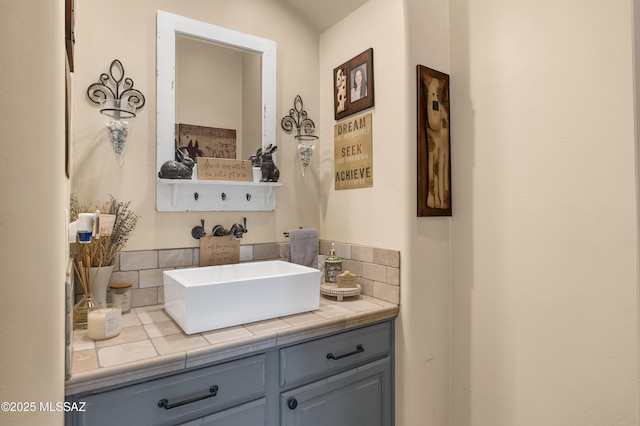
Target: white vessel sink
(213,297)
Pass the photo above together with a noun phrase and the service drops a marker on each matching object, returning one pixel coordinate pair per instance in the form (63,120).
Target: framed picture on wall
(434,143)
(353,85)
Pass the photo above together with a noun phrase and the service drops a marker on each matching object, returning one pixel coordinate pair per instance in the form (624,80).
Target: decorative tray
(339,292)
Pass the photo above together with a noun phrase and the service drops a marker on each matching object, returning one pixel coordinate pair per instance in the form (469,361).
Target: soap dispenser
(332,267)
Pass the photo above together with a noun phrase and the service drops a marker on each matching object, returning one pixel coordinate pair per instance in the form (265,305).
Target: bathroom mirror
(216,79)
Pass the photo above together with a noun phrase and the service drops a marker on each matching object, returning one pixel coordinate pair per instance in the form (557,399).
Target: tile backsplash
(378,269)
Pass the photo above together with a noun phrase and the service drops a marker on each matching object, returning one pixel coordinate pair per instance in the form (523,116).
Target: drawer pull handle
(292,403)
(164,403)
(359,349)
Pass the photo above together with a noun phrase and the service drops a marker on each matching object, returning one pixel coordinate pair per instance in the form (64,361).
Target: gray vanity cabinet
(343,379)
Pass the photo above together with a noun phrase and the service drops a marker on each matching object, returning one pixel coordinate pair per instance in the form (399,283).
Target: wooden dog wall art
(434,147)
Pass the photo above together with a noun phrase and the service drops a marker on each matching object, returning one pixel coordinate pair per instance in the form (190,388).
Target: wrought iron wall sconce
(119,103)
(305,127)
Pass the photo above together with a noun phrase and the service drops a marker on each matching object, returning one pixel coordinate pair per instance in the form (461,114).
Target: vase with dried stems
(85,304)
(94,261)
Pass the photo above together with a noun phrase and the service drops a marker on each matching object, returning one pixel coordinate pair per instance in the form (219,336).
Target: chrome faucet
(237,229)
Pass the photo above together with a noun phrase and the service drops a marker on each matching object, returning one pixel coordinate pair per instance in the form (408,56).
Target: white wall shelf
(215,195)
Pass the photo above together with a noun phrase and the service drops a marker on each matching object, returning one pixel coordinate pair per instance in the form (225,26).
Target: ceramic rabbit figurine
(270,172)
(180,168)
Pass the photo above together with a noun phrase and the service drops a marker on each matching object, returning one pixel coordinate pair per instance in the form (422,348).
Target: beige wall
(133,41)
(402,33)
(360,214)
(33,190)
(426,319)
(544,233)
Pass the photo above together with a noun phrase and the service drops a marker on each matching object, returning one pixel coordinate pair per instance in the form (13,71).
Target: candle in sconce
(104,322)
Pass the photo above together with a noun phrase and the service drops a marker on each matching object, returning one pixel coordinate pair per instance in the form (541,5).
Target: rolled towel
(303,247)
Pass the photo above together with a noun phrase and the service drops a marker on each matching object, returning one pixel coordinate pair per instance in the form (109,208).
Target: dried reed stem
(81,278)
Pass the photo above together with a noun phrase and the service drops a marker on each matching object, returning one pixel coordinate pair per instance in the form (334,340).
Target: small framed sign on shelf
(224,169)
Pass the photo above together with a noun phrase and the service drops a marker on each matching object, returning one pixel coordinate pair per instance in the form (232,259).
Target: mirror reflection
(217,99)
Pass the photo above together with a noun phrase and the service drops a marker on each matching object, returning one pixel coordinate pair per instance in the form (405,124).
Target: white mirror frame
(168,26)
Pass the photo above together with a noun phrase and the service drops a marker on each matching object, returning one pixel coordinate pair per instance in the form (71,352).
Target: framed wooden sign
(434,147)
(219,250)
(353,85)
(353,153)
(224,169)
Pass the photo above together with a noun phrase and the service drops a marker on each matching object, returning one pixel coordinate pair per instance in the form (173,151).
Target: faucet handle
(198,232)
(219,231)
(238,230)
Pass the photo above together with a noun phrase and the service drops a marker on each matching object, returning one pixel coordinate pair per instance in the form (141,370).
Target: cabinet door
(252,413)
(358,397)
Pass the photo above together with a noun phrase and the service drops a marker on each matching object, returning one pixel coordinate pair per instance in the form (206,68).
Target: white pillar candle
(103,323)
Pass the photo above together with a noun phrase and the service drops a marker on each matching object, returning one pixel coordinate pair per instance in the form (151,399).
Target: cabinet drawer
(329,354)
(179,397)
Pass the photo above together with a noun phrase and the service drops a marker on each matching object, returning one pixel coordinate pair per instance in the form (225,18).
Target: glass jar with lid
(121,296)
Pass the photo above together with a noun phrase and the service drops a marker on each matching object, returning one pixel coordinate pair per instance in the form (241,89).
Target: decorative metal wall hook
(305,127)
(114,86)
(298,119)
(118,102)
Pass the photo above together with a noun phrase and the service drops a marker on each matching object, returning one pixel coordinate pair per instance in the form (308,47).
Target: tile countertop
(151,343)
